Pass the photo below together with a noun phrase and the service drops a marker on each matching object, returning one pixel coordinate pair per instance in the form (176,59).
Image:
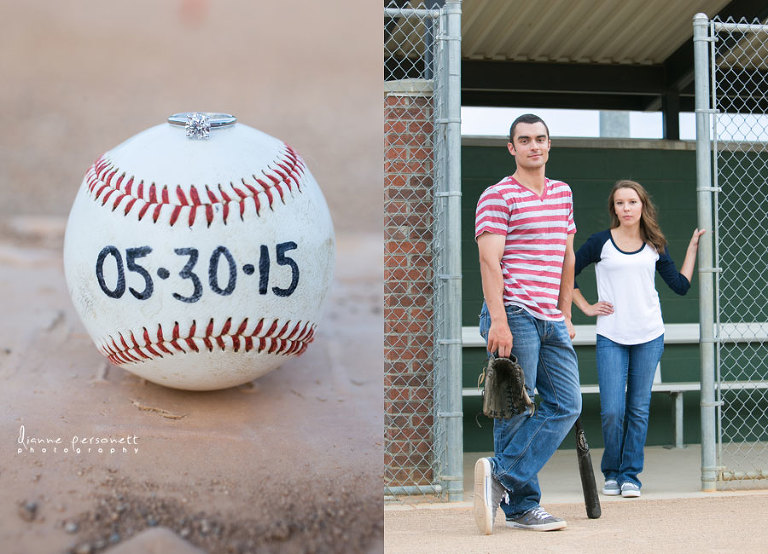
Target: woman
(630,331)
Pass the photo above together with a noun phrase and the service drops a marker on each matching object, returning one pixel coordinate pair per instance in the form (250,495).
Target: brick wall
(408,276)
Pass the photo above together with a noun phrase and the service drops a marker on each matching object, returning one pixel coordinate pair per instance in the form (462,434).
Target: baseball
(199,263)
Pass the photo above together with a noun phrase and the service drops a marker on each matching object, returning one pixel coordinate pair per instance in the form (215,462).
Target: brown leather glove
(504,393)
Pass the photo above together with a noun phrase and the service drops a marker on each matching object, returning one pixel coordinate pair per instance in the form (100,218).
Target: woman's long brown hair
(649,227)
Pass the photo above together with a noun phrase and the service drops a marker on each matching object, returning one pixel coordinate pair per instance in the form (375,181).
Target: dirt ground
(717,524)
(291,462)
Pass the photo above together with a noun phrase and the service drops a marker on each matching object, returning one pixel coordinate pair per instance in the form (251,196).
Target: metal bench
(675,390)
(680,333)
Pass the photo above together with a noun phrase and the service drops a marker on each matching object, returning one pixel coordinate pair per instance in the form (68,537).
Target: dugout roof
(585,54)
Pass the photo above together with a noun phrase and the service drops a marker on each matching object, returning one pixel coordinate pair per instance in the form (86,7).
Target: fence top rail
(720,26)
(411,12)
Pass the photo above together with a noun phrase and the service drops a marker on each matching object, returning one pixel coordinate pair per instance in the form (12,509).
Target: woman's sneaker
(611,488)
(536,519)
(630,490)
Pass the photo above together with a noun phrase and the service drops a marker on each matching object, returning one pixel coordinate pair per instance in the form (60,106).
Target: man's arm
(491,248)
(566,285)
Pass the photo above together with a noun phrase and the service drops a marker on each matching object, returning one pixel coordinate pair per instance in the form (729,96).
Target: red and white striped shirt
(536,230)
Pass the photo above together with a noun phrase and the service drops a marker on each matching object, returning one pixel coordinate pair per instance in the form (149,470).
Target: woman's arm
(679,281)
(598,308)
(590,253)
(690,255)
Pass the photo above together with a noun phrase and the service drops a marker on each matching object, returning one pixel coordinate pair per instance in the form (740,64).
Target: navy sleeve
(668,271)
(589,252)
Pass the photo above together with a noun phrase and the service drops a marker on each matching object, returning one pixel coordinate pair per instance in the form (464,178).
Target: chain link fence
(739,73)
(416,434)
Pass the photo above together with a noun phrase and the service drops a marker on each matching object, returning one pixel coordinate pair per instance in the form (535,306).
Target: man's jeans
(523,444)
(624,416)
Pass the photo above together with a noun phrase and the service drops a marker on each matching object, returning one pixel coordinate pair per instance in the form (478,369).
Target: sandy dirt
(717,524)
(291,462)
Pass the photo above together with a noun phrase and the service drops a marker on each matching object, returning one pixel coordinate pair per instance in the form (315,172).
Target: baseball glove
(504,393)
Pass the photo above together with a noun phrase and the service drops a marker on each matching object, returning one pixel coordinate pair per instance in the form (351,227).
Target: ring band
(199,124)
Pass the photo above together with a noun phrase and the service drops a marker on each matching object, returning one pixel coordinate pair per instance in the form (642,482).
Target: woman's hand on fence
(690,254)
(694,244)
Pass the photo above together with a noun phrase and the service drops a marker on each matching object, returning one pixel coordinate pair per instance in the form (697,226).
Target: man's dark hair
(526,118)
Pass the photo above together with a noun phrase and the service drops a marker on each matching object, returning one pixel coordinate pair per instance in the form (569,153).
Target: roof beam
(560,85)
(568,100)
(484,75)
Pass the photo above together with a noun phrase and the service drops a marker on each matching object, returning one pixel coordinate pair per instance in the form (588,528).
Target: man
(524,230)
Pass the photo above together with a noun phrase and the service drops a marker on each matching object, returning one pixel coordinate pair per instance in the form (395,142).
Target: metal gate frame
(734,329)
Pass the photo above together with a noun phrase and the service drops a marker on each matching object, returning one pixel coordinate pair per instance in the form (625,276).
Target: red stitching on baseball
(285,171)
(124,349)
(175,215)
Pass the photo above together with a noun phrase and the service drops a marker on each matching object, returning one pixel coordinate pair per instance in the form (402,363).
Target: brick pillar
(408,276)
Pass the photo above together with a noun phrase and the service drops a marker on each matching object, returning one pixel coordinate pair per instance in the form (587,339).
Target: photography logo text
(108,445)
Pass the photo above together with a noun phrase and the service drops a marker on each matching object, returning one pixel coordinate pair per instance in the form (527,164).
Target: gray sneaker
(488,495)
(630,490)
(536,519)
(611,488)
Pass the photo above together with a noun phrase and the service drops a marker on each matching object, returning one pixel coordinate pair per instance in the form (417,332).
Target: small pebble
(28,511)
(84,548)
(71,527)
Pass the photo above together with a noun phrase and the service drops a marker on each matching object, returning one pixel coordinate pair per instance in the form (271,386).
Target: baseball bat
(588,486)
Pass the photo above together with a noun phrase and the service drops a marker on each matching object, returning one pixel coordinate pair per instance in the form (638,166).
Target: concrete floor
(669,473)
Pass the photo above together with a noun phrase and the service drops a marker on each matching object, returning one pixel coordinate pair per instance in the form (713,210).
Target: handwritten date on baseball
(221,275)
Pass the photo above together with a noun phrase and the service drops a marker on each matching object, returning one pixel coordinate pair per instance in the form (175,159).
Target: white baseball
(199,264)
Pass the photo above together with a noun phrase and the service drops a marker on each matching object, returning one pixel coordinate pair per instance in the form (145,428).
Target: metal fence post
(449,195)
(422,276)
(706,269)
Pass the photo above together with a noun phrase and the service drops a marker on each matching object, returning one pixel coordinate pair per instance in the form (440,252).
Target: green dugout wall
(591,166)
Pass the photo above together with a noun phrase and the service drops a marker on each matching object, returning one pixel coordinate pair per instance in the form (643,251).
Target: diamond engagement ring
(199,124)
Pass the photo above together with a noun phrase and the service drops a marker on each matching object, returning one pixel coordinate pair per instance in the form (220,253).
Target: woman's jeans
(523,444)
(625,374)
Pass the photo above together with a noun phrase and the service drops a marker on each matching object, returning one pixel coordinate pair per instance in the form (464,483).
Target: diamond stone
(198,126)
